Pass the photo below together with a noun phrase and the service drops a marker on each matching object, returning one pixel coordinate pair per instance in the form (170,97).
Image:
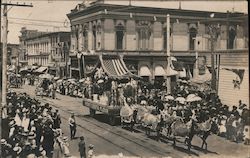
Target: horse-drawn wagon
(113,112)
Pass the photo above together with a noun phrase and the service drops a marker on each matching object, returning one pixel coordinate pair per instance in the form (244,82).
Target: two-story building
(124,39)
(49,50)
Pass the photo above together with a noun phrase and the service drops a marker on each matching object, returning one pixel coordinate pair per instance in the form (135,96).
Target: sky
(50,15)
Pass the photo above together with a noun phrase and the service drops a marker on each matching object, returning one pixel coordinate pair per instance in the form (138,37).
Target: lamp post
(214,30)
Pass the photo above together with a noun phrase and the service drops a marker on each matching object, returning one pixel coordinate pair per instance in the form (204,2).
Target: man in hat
(6,148)
(82,148)
(56,119)
(72,126)
(48,140)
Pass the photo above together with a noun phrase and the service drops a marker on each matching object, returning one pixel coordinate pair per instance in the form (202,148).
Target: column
(90,36)
(80,37)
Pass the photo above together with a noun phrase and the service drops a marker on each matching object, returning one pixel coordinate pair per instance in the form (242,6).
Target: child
(91,151)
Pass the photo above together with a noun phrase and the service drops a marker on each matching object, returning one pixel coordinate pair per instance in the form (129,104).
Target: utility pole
(214,32)
(3,110)
(168,54)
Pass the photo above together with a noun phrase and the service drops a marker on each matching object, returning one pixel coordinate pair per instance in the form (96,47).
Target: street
(112,140)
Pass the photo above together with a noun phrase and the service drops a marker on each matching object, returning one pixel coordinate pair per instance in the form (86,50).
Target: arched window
(231,37)
(119,36)
(192,36)
(144,34)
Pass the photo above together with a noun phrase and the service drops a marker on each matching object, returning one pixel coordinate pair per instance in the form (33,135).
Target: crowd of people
(33,130)
(232,123)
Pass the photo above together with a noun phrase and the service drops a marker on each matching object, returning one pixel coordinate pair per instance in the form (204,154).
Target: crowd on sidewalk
(32,129)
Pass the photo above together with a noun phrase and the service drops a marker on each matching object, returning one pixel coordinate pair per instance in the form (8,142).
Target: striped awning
(41,69)
(115,67)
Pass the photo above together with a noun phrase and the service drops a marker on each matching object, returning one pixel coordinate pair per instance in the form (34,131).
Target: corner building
(134,39)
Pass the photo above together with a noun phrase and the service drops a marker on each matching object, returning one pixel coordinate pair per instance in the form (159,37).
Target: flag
(239,72)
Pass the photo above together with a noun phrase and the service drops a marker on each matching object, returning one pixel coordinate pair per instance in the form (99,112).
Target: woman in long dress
(58,149)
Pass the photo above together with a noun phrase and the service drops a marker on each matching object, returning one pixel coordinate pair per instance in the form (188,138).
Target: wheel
(92,112)
(112,120)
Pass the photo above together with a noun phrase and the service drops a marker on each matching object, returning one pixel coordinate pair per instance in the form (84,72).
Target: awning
(41,69)
(144,71)
(115,67)
(159,71)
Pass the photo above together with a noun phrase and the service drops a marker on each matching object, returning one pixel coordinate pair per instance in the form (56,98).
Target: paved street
(113,140)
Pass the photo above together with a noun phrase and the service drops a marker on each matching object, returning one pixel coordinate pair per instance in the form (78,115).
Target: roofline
(48,34)
(155,10)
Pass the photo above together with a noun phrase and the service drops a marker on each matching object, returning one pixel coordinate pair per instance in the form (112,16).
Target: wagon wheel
(112,120)
(92,112)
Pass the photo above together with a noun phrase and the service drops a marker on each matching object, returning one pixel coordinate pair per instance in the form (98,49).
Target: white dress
(25,123)
(222,127)
(18,120)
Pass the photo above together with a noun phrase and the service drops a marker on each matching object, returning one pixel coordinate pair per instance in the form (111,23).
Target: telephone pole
(4,21)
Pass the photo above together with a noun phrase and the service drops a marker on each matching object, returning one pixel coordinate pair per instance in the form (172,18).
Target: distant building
(48,50)
(25,34)
(137,36)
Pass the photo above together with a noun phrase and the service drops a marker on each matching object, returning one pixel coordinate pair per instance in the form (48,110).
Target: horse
(128,116)
(147,119)
(180,129)
(204,129)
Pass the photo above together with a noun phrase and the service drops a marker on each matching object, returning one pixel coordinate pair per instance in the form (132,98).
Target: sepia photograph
(124,79)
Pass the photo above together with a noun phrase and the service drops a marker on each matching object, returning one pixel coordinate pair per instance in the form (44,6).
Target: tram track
(134,140)
(123,135)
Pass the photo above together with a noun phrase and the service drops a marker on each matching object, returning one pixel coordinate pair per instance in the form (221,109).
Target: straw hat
(3,141)
(91,146)
(12,123)
(31,135)
(17,149)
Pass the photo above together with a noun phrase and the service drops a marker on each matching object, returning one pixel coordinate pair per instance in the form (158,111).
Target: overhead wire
(36,24)
(25,19)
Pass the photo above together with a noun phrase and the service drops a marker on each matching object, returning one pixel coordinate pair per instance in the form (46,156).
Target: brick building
(48,50)
(125,39)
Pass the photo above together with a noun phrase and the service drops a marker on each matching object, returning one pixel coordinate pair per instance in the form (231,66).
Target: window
(119,36)
(231,37)
(165,40)
(144,34)
(94,37)
(85,38)
(192,36)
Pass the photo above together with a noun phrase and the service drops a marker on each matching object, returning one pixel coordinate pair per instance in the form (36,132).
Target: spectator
(57,120)
(72,126)
(91,151)
(65,146)
(82,148)
(48,140)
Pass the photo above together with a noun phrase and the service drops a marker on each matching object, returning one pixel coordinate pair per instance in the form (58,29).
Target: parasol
(169,97)
(46,76)
(59,81)
(82,80)
(190,96)
(100,81)
(56,78)
(180,100)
